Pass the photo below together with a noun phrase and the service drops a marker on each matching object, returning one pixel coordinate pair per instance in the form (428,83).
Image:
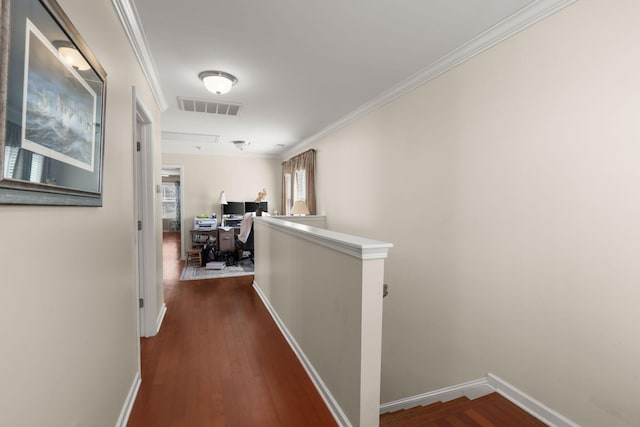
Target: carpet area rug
(199,273)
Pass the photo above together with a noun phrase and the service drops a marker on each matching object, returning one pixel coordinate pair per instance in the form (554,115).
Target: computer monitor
(233,208)
(251,206)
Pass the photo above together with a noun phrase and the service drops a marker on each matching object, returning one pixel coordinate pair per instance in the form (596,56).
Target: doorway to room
(150,303)
(172,204)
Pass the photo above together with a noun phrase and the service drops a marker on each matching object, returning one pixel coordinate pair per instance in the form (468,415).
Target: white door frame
(183,250)
(150,315)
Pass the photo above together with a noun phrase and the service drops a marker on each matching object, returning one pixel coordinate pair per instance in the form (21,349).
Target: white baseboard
(326,395)
(478,388)
(471,389)
(163,311)
(528,403)
(129,401)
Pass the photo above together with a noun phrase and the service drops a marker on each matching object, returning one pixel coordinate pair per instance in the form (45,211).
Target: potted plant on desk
(261,196)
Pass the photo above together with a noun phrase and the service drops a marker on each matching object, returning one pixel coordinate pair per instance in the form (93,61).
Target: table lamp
(300,208)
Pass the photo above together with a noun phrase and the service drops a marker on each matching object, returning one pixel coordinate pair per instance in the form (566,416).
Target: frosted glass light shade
(217,82)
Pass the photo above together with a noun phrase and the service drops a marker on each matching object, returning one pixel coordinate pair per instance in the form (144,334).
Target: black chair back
(248,245)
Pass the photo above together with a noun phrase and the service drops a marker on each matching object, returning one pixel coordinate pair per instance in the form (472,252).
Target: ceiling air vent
(204,106)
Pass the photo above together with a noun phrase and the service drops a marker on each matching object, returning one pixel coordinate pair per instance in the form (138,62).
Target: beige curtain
(306,162)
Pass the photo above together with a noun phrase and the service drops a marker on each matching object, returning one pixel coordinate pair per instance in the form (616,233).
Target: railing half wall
(324,289)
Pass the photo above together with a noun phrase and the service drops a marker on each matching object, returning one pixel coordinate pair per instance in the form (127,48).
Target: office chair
(246,246)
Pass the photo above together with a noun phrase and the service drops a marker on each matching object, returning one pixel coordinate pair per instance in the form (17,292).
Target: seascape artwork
(59,112)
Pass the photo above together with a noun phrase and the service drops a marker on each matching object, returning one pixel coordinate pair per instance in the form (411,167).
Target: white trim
(146,196)
(138,212)
(346,243)
(504,29)
(528,403)
(478,388)
(471,389)
(129,401)
(163,311)
(326,395)
(133,28)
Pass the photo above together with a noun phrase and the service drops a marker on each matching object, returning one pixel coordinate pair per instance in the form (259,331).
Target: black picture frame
(52,108)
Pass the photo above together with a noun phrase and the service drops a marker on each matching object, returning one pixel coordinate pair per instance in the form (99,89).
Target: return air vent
(204,106)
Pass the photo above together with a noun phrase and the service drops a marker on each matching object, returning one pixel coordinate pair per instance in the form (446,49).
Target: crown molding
(501,31)
(133,28)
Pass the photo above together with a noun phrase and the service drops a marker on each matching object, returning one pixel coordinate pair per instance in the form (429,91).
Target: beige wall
(300,299)
(508,188)
(318,221)
(68,320)
(330,302)
(204,177)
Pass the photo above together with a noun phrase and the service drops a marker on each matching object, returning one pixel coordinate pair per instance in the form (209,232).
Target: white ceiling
(305,67)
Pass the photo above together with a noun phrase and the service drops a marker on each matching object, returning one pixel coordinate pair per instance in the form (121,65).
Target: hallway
(220,360)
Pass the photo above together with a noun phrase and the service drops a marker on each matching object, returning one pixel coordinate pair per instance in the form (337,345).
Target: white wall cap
(355,246)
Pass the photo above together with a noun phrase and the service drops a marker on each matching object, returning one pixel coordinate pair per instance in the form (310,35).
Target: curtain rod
(313,150)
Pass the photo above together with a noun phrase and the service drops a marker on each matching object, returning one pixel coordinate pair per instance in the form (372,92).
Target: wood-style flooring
(491,410)
(220,360)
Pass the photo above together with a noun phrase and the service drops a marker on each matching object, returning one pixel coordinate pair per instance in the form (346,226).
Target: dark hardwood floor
(220,360)
(491,410)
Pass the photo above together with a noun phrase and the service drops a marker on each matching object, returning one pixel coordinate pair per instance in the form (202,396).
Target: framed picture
(52,99)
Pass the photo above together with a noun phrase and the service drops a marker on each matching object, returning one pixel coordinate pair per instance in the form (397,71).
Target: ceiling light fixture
(217,82)
(241,145)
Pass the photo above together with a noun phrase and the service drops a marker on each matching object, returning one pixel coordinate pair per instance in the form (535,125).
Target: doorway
(172,204)
(151,301)
(170,201)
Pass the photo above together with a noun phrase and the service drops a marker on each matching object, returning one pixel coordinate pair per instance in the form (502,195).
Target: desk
(199,237)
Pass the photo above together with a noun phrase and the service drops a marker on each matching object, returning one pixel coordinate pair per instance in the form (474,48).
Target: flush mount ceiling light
(241,145)
(71,55)
(217,82)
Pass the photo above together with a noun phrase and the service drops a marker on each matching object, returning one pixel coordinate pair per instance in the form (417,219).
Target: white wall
(508,188)
(205,176)
(68,320)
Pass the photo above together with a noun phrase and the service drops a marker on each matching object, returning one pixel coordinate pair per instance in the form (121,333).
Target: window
(169,200)
(298,181)
(168,192)
(300,188)
(10,157)
(37,163)
(287,194)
